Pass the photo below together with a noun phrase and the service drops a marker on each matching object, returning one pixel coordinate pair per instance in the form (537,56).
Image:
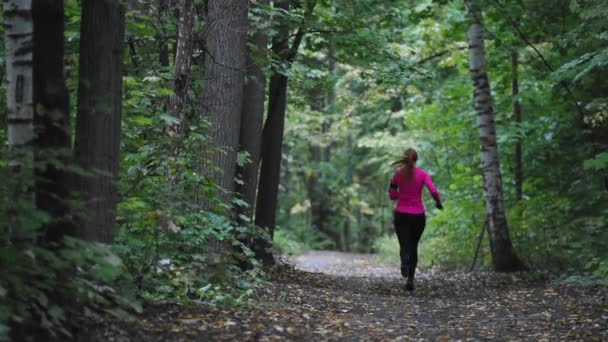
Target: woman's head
(407,162)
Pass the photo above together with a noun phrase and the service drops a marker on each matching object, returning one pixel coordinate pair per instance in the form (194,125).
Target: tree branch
(440,54)
(524,38)
(295,46)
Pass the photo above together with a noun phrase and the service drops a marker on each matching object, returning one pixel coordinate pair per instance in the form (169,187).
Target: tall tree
(52,117)
(183,63)
(222,94)
(503,256)
(99,114)
(252,113)
(272,134)
(322,208)
(18,30)
(162,6)
(519,166)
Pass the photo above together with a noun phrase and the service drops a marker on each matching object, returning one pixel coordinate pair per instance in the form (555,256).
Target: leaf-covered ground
(356,299)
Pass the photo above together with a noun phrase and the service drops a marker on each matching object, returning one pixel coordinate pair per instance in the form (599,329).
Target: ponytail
(407,162)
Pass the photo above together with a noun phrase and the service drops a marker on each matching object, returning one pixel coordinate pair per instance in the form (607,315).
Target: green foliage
(163,242)
(48,291)
(174,249)
(387,250)
(600,162)
(297,240)
(288,244)
(405,82)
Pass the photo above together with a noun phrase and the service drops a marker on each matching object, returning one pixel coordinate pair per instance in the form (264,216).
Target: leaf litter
(331,296)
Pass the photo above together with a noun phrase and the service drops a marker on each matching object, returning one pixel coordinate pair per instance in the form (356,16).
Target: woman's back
(408,190)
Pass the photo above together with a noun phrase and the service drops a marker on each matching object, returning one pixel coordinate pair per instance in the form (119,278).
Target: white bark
(503,257)
(18,40)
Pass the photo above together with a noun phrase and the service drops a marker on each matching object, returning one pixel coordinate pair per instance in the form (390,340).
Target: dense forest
(181,150)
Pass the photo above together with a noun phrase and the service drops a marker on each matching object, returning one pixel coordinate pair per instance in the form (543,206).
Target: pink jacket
(408,193)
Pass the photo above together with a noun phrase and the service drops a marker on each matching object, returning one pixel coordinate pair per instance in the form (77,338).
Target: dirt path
(356,299)
(342,264)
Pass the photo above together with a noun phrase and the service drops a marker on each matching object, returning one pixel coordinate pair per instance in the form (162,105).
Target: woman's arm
(393,189)
(433,190)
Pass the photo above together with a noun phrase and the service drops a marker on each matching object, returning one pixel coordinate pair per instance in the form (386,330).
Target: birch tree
(18,35)
(503,257)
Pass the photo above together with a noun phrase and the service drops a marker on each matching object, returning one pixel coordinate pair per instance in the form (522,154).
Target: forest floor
(331,296)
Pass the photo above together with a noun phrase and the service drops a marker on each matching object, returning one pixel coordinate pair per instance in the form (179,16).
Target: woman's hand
(438,205)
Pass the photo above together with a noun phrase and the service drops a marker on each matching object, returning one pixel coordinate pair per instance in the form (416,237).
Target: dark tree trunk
(321,208)
(519,167)
(250,139)
(319,194)
(272,141)
(163,49)
(222,94)
(99,115)
(349,172)
(183,63)
(272,135)
(51,118)
(252,118)
(163,40)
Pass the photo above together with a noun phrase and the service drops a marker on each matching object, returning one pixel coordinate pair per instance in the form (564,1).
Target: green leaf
(599,162)
(56,313)
(243,158)
(142,120)
(168,119)
(164,91)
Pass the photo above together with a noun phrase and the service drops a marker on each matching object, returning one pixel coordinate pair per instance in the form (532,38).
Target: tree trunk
(316,194)
(52,118)
(272,142)
(321,206)
(99,115)
(253,117)
(18,36)
(344,234)
(503,257)
(222,94)
(519,167)
(272,134)
(163,40)
(183,63)
(350,177)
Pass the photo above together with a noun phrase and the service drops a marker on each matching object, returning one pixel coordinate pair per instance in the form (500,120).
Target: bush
(299,239)
(52,291)
(387,248)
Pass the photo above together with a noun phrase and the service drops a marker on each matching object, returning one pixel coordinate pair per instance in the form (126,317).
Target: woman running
(409,218)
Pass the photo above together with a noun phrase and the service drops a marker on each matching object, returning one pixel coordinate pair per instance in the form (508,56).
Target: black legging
(409,228)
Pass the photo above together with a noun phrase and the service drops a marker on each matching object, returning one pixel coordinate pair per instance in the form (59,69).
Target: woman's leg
(414,233)
(401,229)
